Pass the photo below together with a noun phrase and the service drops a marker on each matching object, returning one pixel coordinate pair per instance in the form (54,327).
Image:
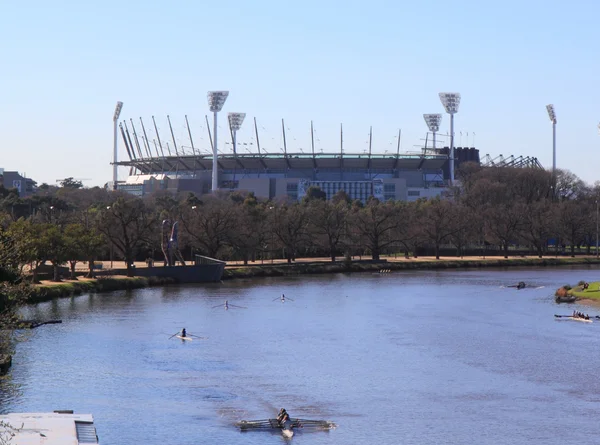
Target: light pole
(451,102)
(433,123)
(111,246)
(115,119)
(235,123)
(552,116)
(216,100)
(597,228)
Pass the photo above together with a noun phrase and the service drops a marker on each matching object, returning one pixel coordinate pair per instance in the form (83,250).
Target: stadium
(400,176)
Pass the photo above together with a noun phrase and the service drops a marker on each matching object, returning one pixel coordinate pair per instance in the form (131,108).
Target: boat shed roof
(56,428)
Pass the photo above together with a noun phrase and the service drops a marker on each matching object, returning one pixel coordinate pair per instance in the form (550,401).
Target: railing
(202,260)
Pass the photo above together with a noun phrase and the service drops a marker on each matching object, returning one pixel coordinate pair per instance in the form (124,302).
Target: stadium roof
(282,162)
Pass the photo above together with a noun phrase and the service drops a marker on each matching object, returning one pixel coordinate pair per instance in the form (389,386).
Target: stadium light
(433,123)
(235,123)
(451,102)
(115,119)
(216,100)
(552,116)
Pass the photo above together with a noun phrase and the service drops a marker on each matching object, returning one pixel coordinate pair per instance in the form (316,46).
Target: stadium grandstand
(400,176)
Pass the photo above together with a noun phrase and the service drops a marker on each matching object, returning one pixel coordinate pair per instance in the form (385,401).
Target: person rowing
(183,333)
(283,298)
(281,415)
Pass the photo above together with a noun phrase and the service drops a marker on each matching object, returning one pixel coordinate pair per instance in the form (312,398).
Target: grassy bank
(320,267)
(50,290)
(591,293)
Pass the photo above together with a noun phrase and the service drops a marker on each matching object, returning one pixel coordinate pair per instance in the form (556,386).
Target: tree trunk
(91,271)
(505,245)
(437,251)
(56,271)
(129,269)
(73,264)
(375,253)
(34,275)
(572,250)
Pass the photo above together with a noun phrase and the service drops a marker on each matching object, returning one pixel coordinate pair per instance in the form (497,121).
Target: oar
(241,307)
(196,336)
(173,335)
(575,316)
(218,305)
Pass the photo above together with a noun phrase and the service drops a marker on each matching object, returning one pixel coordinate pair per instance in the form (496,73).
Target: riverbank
(324,265)
(49,290)
(580,293)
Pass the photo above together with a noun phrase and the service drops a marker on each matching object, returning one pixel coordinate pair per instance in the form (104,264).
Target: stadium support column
(216,100)
(115,119)
(451,102)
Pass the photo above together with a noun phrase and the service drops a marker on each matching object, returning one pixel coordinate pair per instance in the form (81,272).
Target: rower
(226,305)
(183,332)
(281,415)
(283,298)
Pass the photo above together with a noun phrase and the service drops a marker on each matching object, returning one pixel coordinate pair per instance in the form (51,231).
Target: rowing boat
(583,320)
(184,338)
(287,429)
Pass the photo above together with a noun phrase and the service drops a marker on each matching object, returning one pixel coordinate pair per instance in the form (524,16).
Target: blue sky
(64,64)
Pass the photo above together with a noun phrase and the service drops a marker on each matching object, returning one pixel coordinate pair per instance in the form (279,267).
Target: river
(413,357)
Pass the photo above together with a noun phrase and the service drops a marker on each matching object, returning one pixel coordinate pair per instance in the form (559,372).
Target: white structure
(433,122)
(552,116)
(235,123)
(115,119)
(451,102)
(57,428)
(216,100)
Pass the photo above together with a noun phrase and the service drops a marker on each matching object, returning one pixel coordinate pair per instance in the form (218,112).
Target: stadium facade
(404,177)
(399,177)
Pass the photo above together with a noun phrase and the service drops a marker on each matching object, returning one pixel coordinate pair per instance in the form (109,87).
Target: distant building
(13,180)
(273,176)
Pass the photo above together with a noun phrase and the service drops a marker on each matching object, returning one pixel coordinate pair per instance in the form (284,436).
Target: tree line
(490,209)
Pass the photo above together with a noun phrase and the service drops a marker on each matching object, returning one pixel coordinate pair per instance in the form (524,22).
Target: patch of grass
(592,292)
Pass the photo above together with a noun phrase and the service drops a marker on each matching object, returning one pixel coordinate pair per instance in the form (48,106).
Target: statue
(169,242)
(174,245)
(164,242)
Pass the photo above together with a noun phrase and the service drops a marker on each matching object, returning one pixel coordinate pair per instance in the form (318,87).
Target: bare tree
(127,224)
(289,223)
(209,224)
(328,222)
(376,223)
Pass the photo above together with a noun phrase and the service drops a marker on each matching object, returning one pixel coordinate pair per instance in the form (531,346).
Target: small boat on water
(570,317)
(287,428)
(184,338)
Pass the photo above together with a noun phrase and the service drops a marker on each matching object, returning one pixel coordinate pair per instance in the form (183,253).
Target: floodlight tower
(115,119)
(552,116)
(433,123)
(216,100)
(235,123)
(451,102)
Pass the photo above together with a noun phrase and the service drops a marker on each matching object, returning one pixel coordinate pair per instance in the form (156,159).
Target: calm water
(426,357)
